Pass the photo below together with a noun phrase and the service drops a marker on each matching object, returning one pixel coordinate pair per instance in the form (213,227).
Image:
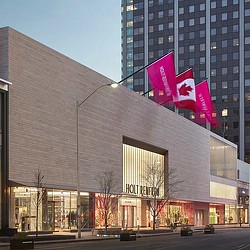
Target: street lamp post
(78,105)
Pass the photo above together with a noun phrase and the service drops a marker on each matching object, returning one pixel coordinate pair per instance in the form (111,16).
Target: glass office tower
(213,36)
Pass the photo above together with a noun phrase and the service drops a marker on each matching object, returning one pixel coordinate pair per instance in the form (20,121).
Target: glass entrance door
(128,216)
(199,217)
(51,215)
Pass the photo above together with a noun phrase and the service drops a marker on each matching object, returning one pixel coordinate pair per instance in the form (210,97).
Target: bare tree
(40,193)
(107,199)
(157,178)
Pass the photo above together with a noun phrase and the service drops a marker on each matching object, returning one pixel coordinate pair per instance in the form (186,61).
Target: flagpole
(147,92)
(143,68)
(191,67)
(202,82)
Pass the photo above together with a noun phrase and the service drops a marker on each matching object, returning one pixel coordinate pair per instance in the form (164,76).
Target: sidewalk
(143,232)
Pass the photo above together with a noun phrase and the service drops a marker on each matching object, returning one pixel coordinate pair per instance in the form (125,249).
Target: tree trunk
(106,222)
(37,208)
(154,219)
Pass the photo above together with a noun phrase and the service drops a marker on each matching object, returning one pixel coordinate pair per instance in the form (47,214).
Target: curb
(101,238)
(90,239)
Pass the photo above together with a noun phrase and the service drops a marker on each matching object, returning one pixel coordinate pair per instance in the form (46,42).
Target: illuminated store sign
(128,202)
(142,190)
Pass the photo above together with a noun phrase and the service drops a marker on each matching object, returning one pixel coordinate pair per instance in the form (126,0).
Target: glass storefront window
(57,211)
(177,212)
(230,214)
(223,159)
(213,216)
(111,209)
(25,208)
(134,170)
(216,214)
(62,210)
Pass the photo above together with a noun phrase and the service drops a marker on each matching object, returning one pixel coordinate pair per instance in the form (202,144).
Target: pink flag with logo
(162,78)
(186,97)
(200,118)
(204,105)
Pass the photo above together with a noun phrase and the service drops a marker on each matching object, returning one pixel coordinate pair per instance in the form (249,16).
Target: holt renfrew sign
(142,190)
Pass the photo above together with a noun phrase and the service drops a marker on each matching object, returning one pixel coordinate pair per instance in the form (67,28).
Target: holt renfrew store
(58,211)
(119,131)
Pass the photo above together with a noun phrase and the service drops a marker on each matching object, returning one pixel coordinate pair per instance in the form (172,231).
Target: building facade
(211,35)
(119,132)
(243,173)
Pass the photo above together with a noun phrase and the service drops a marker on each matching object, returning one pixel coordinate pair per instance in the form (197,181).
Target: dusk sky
(86,31)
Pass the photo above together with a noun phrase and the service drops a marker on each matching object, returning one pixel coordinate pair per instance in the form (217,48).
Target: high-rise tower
(211,35)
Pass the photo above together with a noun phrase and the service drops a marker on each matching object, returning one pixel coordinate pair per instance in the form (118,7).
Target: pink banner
(203,100)
(205,106)
(162,78)
(200,118)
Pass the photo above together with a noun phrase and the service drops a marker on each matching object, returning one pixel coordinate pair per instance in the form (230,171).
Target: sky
(88,31)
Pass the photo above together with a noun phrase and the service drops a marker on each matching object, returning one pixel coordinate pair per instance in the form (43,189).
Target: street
(235,238)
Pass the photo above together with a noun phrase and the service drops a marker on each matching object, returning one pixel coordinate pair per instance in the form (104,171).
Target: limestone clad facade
(42,125)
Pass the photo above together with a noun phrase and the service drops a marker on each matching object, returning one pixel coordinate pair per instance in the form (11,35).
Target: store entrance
(243,215)
(128,216)
(51,215)
(59,218)
(199,217)
(59,212)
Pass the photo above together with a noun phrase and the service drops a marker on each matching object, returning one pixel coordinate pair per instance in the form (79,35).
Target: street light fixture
(78,105)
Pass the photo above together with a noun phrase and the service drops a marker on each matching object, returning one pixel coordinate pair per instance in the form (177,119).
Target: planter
(109,232)
(186,232)
(8,231)
(21,244)
(127,236)
(209,231)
